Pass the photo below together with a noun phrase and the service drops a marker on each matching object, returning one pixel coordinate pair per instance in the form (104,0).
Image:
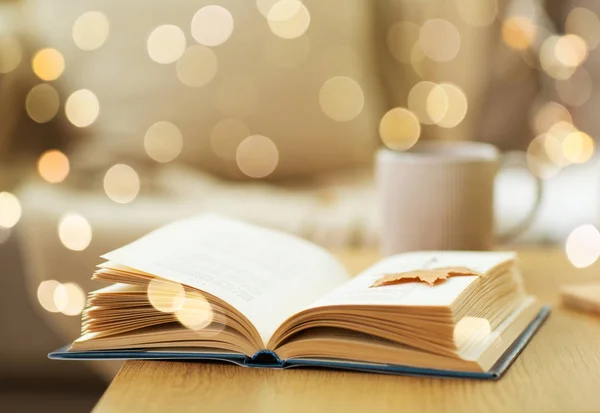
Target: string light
(549,59)
(75,232)
(212,25)
(42,103)
(548,115)
(11,52)
(53,166)
(288,19)
(90,30)
(121,183)
(10,210)
(399,129)
(197,66)
(439,39)
(428,101)
(166,44)
(82,108)
(583,246)
(570,50)
(163,141)
(257,156)
(48,64)
(341,98)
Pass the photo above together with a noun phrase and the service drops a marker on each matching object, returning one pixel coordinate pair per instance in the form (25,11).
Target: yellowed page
(358,291)
(265,274)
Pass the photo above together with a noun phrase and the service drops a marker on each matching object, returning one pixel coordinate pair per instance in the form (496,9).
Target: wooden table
(558,372)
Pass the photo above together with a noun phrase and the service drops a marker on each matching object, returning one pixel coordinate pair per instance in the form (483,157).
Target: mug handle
(514,159)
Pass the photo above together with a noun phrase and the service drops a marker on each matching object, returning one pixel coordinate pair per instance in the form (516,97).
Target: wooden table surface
(559,371)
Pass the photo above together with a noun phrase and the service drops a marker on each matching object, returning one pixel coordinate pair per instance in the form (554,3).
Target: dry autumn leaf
(430,276)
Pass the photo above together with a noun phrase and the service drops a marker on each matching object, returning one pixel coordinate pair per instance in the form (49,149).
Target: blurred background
(117,117)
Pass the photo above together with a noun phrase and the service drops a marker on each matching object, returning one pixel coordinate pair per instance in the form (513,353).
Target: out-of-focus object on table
(558,371)
(585,297)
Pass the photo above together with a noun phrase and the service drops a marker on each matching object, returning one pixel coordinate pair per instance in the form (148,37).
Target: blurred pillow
(304,78)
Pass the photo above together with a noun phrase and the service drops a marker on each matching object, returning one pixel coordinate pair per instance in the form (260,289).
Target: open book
(212,287)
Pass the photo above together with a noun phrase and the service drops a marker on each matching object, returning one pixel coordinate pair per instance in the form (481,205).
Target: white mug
(440,196)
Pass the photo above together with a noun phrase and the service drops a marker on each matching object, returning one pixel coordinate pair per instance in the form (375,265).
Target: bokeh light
(45,295)
(550,61)
(518,32)
(10,210)
(287,53)
(166,44)
(42,103)
(196,313)
(48,64)
(478,13)
(576,90)
(69,299)
(585,24)
(456,108)
(257,156)
(226,136)
(538,161)
(91,30)
(12,53)
(399,129)
(570,50)
(578,147)
(212,25)
(82,108)
(428,101)
(583,246)
(121,183)
(401,38)
(75,232)
(341,98)
(163,141)
(237,96)
(264,6)
(288,19)
(440,40)
(166,296)
(197,66)
(53,166)
(473,331)
(548,115)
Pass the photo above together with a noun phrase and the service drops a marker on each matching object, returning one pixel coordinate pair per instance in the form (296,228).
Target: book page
(358,291)
(265,274)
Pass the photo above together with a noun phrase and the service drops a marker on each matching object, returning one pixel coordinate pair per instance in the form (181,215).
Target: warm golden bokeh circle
(212,25)
(90,30)
(439,40)
(75,232)
(10,210)
(257,156)
(48,64)
(399,129)
(82,108)
(42,103)
(166,296)
(197,66)
(121,183)
(166,44)
(226,136)
(288,19)
(583,246)
(341,98)
(163,141)
(53,166)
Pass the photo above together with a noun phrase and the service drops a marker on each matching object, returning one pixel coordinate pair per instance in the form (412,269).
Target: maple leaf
(430,276)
